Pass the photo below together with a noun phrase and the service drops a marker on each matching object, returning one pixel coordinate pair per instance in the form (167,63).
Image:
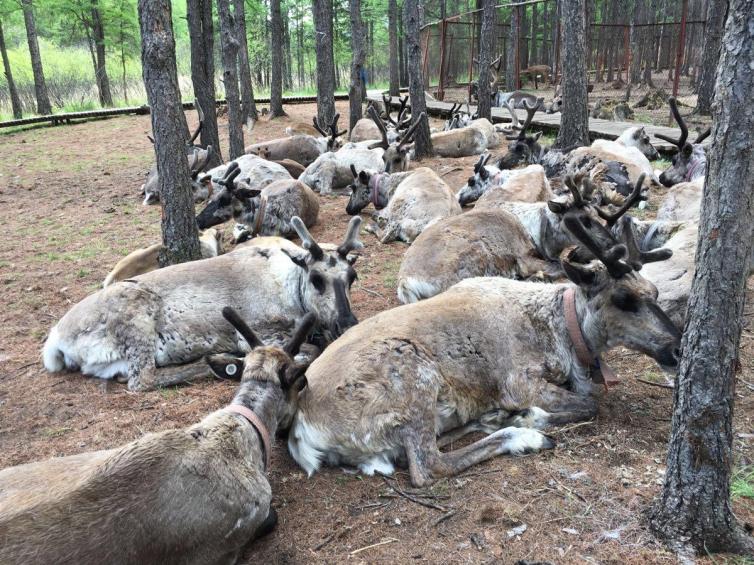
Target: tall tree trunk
(325,64)
(98,31)
(248,106)
(201,34)
(633,44)
(40,87)
(288,78)
(358,50)
(180,236)
(485,58)
(300,50)
(574,121)
(393,57)
(588,19)
(543,58)
(524,42)
(333,25)
(534,31)
(276,83)
(229,55)
(412,17)
(15,101)
(402,53)
(713,33)
(513,48)
(694,507)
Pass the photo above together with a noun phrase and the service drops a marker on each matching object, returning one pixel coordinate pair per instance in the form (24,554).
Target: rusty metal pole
(441,85)
(679,51)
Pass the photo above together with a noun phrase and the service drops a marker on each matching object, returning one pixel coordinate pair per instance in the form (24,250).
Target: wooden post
(679,51)
(441,85)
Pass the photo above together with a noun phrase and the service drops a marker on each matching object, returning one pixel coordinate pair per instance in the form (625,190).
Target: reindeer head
(621,305)
(331,132)
(637,137)
(557,102)
(523,149)
(690,161)
(482,180)
(327,278)
(228,202)
(363,191)
(396,154)
(265,364)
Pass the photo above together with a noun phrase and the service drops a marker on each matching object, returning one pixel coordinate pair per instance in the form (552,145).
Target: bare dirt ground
(71,209)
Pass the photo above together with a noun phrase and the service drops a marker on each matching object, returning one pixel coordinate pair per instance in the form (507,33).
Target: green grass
(742,483)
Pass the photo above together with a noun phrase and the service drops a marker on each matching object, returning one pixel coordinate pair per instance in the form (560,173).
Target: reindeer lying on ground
(521,100)
(396,152)
(193,495)
(529,184)
(146,260)
(473,139)
(420,198)
(370,128)
(489,354)
(197,156)
(268,211)
(303,149)
(254,173)
(690,162)
(147,329)
(333,170)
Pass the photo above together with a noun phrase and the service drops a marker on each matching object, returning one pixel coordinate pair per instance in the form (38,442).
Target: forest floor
(71,209)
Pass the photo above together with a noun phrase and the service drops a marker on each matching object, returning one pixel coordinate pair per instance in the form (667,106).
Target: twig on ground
(570,427)
(372,292)
(413,498)
(652,383)
(24,367)
(383,542)
(452,169)
(331,537)
(445,516)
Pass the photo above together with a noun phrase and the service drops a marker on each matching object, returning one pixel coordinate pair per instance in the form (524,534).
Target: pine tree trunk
(588,19)
(199,16)
(402,54)
(276,80)
(15,101)
(694,508)
(180,236)
(248,106)
(510,64)
(574,121)
(229,55)
(358,54)
(300,50)
(98,31)
(40,87)
(534,30)
(412,17)
(325,63)
(393,48)
(485,58)
(288,78)
(634,71)
(713,33)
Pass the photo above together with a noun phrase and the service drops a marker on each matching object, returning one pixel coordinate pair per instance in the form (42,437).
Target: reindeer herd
(506,311)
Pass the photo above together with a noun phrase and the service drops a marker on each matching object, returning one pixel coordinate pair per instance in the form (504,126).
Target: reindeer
(254,173)
(521,100)
(395,155)
(146,260)
(193,495)
(408,202)
(480,243)
(197,156)
(463,142)
(154,329)
(690,161)
(458,118)
(303,149)
(529,184)
(266,211)
(333,170)
(489,354)
(535,71)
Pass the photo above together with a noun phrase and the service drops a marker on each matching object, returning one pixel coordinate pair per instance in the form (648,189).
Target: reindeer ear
(246,193)
(557,207)
(639,133)
(687,150)
(577,273)
(363,177)
(225,366)
(297,259)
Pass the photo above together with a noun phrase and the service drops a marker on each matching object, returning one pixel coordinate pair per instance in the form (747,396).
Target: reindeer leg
(487,423)
(178,374)
(556,406)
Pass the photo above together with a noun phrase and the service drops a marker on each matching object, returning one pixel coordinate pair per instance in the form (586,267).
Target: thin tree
(248,106)
(412,17)
(40,86)
(199,16)
(358,55)
(485,58)
(325,63)
(180,236)
(694,508)
(393,57)
(574,121)
(276,84)
(98,36)
(510,63)
(15,101)
(713,34)
(229,55)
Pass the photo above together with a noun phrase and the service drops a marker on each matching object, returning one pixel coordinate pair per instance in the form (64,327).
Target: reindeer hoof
(532,417)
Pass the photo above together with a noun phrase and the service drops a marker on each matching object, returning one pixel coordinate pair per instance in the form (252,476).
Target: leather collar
(261,429)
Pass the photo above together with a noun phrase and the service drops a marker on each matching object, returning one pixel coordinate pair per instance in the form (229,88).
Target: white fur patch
(379,463)
(535,418)
(306,445)
(412,290)
(518,441)
(51,354)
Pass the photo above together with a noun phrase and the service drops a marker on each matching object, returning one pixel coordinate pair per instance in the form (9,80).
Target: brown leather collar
(599,370)
(260,216)
(261,429)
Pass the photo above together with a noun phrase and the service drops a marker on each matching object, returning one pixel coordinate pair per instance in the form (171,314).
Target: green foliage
(742,483)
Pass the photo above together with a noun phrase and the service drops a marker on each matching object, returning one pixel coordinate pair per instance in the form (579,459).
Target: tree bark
(180,236)
(358,54)
(325,63)
(229,54)
(276,80)
(98,32)
(248,106)
(694,510)
(40,86)
(574,121)
(713,33)
(534,31)
(403,54)
(412,17)
(392,15)
(485,58)
(513,48)
(199,16)
(15,101)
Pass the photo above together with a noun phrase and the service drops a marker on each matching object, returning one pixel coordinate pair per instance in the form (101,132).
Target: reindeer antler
(307,240)
(530,111)
(612,258)
(229,178)
(318,127)
(201,123)
(635,256)
(681,141)
(351,240)
(406,137)
(515,124)
(381,126)
(703,135)
(634,197)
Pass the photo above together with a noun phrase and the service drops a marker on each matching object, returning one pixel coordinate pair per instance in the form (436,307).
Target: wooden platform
(604,129)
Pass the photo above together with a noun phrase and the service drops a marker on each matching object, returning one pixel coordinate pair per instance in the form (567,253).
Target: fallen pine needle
(651,383)
(383,542)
